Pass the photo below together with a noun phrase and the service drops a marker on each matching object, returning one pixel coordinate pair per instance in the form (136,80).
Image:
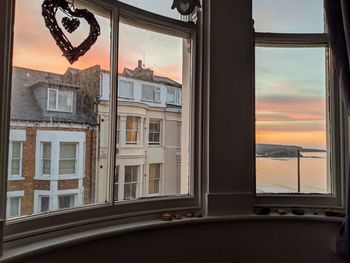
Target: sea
(280,175)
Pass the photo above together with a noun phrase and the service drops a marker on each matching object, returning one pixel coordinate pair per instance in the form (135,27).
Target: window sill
(20,178)
(22,250)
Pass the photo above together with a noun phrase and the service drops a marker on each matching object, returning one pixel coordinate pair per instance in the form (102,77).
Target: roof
(24,105)
(147,75)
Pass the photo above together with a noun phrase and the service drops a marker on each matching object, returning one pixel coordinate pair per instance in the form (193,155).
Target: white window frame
(177,96)
(42,159)
(137,182)
(159,179)
(138,131)
(57,137)
(14,194)
(155,90)
(57,95)
(18,136)
(335,119)
(155,143)
(69,159)
(74,195)
(132,90)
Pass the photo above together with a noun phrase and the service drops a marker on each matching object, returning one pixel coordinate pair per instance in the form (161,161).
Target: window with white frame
(173,96)
(294,103)
(44,203)
(68,158)
(126,89)
(60,100)
(132,129)
(154,179)
(14,204)
(150,93)
(46,158)
(131,174)
(154,132)
(67,201)
(16,151)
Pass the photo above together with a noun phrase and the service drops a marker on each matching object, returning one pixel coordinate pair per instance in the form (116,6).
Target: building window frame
(136,130)
(153,142)
(14,195)
(336,142)
(155,179)
(132,88)
(156,93)
(176,96)
(56,107)
(16,136)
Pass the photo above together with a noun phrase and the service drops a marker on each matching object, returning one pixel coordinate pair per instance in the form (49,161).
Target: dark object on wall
(185,7)
(70,23)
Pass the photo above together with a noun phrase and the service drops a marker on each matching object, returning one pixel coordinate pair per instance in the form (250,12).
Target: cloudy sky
(290,83)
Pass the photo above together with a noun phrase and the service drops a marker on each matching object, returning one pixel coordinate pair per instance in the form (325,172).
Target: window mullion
(290,40)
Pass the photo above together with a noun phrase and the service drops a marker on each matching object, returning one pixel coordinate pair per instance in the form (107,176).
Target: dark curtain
(338,22)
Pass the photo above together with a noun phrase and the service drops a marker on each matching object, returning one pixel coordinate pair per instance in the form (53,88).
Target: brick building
(52,154)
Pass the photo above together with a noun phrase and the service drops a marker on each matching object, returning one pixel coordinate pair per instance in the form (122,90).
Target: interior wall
(233,241)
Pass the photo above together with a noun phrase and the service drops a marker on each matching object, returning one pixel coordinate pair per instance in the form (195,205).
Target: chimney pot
(139,63)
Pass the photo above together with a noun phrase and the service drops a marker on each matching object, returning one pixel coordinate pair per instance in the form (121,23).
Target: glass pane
(46,167)
(291,120)
(153,187)
(75,133)
(288,16)
(147,92)
(14,206)
(15,165)
(154,171)
(46,150)
(155,62)
(126,89)
(16,150)
(65,100)
(67,167)
(52,99)
(161,7)
(66,201)
(68,150)
(44,203)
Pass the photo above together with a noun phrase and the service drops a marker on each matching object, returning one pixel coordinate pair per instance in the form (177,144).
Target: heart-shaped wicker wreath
(72,54)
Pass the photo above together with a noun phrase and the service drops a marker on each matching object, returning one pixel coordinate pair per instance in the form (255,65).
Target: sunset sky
(290,83)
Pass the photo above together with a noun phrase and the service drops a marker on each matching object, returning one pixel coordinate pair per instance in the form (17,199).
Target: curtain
(338,22)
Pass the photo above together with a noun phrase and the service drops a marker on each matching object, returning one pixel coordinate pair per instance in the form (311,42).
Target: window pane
(14,206)
(16,150)
(65,100)
(149,119)
(66,201)
(126,89)
(288,16)
(52,99)
(161,7)
(73,137)
(46,150)
(15,167)
(291,120)
(68,150)
(147,92)
(44,203)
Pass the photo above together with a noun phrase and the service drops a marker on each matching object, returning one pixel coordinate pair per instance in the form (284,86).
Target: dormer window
(150,93)
(174,96)
(60,100)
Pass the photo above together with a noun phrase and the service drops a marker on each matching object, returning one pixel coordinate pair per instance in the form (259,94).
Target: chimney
(139,63)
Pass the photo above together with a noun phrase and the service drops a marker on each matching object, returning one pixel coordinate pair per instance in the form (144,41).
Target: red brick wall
(29,184)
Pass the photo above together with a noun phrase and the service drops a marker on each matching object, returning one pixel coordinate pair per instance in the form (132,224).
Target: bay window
(72,159)
(296,107)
